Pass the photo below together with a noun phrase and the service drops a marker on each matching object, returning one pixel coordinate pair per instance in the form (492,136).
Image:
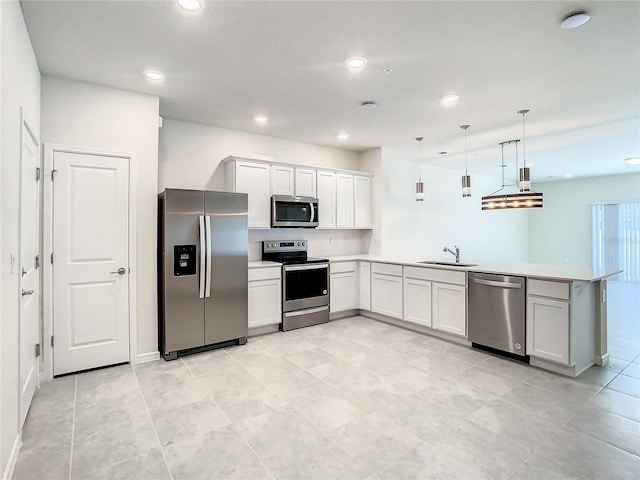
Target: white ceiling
(234,59)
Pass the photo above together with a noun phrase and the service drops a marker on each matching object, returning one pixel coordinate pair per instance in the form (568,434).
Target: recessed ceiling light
(575,20)
(343,136)
(633,160)
(153,75)
(356,62)
(568,175)
(190,5)
(450,98)
(261,119)
(369,105)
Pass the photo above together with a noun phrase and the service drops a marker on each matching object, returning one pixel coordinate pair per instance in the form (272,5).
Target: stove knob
(304,243)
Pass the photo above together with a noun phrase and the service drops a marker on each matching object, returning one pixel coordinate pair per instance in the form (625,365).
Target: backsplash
(322,243)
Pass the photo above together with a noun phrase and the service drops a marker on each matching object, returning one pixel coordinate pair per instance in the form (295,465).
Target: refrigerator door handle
(202,256)
(208,240)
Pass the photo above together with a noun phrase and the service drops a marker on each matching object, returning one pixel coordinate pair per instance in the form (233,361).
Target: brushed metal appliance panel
(182,322)
(226,309)
(497,311)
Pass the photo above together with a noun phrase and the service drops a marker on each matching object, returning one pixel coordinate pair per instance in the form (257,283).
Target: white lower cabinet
(417,301)
(386,289)
(364,285)
(265,297)
(343,288)
(548,329)
(449,308)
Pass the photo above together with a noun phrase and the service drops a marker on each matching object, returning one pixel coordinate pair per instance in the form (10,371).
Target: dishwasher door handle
(496,284)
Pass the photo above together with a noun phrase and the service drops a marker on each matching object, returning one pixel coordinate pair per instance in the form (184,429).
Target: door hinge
(51,341)
(37,173)
(37,261)
(52,259)
(37,349)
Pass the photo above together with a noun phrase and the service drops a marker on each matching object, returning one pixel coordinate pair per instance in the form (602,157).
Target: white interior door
(90,261)
(29,263)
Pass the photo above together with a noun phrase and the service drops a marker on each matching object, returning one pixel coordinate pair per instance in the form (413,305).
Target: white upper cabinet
(344,200)
(344,196)
(255,180)
(282,180)
(306,182)
(362,195)
(326,199)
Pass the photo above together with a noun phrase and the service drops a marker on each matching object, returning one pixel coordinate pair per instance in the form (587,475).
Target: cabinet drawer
(264,273)
(386,269)
(436,275)
(339,267)
(545,288)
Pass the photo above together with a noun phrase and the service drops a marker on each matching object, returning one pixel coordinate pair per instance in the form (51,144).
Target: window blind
(616,239)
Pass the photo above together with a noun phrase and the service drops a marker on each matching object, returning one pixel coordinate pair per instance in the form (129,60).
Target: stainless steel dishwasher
(497,312)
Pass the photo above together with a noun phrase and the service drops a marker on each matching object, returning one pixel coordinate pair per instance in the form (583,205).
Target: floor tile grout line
(146,406)
(73,423)
(600,440)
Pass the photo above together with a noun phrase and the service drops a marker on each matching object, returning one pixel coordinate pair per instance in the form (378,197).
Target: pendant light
(524,176)
(466,179)
(419,190)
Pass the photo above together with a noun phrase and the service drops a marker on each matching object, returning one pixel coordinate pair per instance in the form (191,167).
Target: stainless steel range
(305,283)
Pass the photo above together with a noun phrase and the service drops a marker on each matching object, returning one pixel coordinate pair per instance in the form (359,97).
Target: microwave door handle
(313,212)
(208,241)
(202,256)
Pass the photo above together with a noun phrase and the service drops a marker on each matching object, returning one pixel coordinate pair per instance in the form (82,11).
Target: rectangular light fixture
(518,201)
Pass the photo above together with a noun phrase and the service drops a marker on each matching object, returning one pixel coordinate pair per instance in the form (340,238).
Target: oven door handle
(291,268)
(306,311)
(313,212)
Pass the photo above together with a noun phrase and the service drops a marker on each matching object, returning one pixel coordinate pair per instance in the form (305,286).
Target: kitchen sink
(449,264)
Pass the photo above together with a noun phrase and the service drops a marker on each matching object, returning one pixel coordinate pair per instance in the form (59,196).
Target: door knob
(120,271)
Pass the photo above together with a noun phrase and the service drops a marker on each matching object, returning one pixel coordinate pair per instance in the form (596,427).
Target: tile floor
(352,399)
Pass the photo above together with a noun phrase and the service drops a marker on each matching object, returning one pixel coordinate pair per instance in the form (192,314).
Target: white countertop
(532,270)
(263,264)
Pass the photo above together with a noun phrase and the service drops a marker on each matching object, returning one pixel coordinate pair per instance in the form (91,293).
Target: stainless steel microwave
(294,212)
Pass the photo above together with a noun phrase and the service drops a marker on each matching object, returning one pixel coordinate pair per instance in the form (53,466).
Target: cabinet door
(265,307)
(326,182)
(281,180)
(344,200)
(364,285)
(548,329)
(362,195)
(386,295)
(254,179)
(305,182)
(417,301)
(343,291)
(449,312)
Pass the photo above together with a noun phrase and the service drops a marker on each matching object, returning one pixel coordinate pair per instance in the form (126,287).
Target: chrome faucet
(455,254)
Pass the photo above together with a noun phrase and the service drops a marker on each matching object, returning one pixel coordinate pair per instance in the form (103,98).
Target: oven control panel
(284,246)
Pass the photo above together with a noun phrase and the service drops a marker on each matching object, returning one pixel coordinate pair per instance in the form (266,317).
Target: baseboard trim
(13,458)
(263,330)
(602,360)
(146,357)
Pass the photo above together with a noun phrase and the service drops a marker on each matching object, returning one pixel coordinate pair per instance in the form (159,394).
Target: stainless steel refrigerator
(202,270)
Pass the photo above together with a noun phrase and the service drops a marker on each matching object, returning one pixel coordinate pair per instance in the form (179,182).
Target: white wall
(561,231)
(419,230)
(190,156)
(79,114)
(19,87)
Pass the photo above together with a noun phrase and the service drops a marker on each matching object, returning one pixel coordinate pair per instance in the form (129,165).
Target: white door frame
(47,271)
